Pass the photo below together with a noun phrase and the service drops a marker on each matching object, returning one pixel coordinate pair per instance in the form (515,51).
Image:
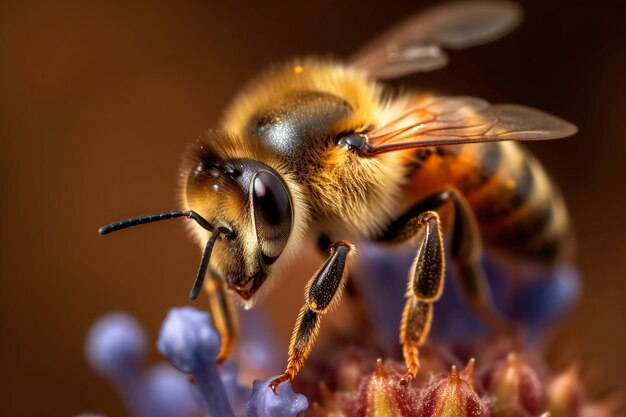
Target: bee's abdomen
(518,209)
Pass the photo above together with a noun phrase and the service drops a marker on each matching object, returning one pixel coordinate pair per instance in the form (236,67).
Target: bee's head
(246,216)
(250,202)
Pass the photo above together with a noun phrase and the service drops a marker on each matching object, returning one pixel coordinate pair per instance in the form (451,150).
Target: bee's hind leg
(466,253)
(322,294)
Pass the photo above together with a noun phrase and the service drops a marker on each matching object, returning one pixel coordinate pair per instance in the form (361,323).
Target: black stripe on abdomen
(519,210)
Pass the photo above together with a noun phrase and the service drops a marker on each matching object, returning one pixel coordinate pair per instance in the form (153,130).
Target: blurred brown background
(98,102)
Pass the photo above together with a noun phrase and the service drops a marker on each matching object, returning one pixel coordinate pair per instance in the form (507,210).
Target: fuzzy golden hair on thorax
(307,74)
(343,189)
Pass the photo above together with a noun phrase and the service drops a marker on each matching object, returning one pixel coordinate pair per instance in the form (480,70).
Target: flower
(191,344)
(116,347)
(188,339)
(264,403)
(382,394)
(452,396)
(505,379)
(171,393)
(515,386)
(566,394)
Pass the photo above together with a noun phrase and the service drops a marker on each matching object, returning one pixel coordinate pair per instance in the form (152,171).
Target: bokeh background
(98,101)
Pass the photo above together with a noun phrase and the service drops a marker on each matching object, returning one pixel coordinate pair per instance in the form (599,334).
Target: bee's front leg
(224,314)
(322,294)
(363,327)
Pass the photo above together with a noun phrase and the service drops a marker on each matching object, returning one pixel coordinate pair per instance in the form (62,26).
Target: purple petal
(116,346)
(190,342)
(171,392)
(188,339)
(264,403)
(237,394)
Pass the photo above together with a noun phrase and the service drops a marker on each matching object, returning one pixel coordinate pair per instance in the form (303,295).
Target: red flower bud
(565,394)
(381,395)
(452,397)
(516,388)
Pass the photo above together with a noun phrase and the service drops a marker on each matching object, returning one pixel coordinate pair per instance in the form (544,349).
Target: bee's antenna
(149,218)
(166,215)
(204,263)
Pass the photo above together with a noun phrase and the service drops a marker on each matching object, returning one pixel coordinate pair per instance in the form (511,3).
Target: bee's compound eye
(351,141)
(271,199)
(272,212)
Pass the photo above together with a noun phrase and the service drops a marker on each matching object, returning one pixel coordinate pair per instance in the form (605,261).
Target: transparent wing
(416,45)
(439,121)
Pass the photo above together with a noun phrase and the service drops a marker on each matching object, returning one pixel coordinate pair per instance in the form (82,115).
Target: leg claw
(277,381)
(406,380)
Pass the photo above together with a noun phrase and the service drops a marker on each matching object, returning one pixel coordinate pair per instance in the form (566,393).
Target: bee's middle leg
(424,288)
(428,270)
(322,294)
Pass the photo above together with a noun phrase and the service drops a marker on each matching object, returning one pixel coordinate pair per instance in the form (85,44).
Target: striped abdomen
(518,209)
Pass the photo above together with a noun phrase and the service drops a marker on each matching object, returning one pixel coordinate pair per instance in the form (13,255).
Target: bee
(316,147)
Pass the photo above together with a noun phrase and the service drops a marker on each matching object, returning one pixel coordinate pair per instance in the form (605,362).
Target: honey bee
(317,147)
